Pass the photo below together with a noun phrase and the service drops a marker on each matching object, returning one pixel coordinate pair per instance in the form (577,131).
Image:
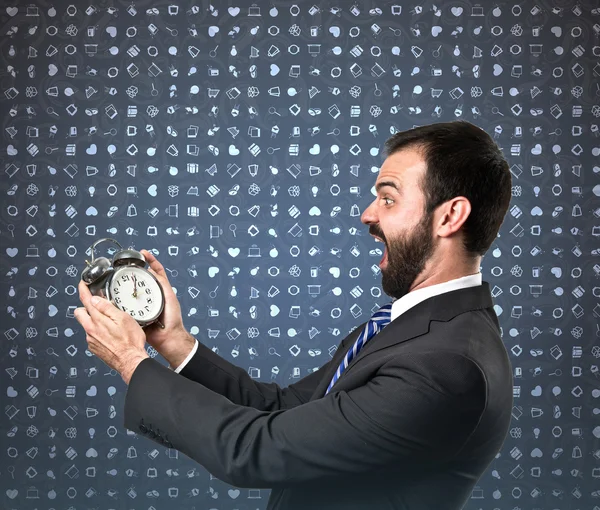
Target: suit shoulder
(445,371)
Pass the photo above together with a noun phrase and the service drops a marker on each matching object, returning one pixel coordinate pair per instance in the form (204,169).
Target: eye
(386,198)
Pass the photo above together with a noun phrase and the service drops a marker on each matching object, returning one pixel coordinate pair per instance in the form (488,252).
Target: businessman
(416,401)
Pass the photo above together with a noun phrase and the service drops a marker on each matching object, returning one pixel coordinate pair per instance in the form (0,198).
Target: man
(412,419)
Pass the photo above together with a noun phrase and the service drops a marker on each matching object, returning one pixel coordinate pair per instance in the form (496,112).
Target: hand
(164,340)
(112,335)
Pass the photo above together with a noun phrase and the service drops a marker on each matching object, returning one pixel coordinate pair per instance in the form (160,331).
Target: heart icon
(334,31)
(233,150)
(52,69)
(233,11)
(11,252)
(498,69)
(536,211)
(112,31)
(536,452)
(435,30)
(314,211)
(12,11)
(234,252)
(12,493)
(212,271)
(334,271)
(92,149)
(536,149)
(233,493)
(11,150)
(537,391)
(92,391)
(11,392)
(91,453)
(212,30)
(52,310)
(274,310)
(557,31)
(91,211)
(274,69)
(152,190)
(315,149)
(457,11)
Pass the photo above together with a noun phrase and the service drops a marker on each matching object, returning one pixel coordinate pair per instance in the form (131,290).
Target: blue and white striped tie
(379,320)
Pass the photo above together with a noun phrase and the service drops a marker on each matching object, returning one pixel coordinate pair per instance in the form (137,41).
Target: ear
(452,215)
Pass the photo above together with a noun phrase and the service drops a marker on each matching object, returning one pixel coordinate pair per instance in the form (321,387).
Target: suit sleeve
(416,409)
(219,375)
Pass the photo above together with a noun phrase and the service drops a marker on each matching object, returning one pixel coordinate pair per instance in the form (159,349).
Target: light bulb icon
(91,191)
(536,432)
(91,432)
(536,191)
(314,191)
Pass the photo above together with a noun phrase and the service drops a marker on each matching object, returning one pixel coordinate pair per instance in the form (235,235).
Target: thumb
(106,307)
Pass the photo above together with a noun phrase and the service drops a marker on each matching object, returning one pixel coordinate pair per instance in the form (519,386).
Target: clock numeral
(117,300)
(141,283)
(116,290)
(125,277)
(148,290)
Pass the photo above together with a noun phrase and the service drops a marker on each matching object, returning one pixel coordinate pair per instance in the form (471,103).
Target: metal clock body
(137,292)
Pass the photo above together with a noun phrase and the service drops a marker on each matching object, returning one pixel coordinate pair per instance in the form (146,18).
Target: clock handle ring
(101,240)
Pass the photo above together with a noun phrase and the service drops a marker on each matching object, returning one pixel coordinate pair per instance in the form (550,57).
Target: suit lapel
(412,323)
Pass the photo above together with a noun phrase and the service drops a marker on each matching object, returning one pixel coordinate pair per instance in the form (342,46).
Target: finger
(106,308)
(156,266)
(86,296)
(83,318)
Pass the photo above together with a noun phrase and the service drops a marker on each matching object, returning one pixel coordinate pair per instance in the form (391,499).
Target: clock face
(135,291)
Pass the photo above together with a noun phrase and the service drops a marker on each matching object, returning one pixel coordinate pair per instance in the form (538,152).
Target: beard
(406,258)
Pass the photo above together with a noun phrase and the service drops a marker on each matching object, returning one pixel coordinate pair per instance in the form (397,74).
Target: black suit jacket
(412,423)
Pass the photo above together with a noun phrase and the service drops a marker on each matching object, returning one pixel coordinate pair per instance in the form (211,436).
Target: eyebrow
(392,184)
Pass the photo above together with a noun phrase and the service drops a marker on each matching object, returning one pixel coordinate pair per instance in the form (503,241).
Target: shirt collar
(399,306)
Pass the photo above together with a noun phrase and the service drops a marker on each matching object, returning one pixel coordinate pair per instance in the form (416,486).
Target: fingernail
(95,300)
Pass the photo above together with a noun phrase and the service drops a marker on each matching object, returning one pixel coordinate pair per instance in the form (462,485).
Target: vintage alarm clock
(127,283)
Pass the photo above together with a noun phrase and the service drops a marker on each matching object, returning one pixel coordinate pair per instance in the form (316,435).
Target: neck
(433,274)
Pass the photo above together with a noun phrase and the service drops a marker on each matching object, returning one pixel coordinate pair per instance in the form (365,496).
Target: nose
(368,216)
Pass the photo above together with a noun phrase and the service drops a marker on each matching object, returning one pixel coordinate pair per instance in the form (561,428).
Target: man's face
(398,219)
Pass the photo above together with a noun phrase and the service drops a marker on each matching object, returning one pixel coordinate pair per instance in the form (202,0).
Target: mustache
(377,234)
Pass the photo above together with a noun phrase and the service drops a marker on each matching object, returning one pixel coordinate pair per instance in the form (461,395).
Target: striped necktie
(379,320)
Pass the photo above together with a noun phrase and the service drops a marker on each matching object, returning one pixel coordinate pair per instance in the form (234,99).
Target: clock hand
(134,286)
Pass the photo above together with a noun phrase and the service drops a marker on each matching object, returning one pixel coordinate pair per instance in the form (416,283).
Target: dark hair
(462,160)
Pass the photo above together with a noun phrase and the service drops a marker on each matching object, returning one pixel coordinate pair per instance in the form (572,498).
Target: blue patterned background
(241,143)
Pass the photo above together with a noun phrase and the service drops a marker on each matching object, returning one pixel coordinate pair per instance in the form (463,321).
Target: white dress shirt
(399,306)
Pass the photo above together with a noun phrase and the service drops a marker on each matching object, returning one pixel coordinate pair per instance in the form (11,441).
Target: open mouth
(383,260)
